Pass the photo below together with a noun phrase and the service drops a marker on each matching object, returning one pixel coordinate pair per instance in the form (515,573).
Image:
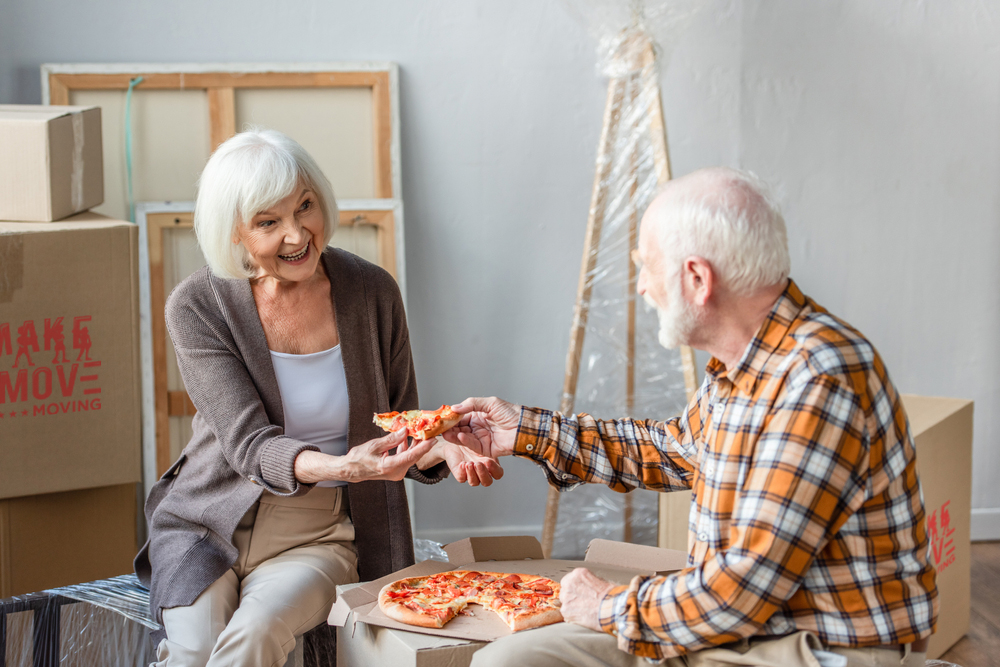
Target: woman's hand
(370,461)
(467,465)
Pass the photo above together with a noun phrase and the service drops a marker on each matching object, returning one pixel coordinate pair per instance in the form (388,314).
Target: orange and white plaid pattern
(806,513)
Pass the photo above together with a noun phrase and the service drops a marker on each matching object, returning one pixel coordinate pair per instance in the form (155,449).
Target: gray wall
(876,121)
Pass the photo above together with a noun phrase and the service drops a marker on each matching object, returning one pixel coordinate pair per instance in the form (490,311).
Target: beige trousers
(293,554)
(565,644)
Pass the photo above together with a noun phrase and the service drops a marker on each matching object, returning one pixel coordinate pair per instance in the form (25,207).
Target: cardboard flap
(638,556)
(355,597)
(339,613)
(480,549)
(38,112)
(85,220)
(924,412)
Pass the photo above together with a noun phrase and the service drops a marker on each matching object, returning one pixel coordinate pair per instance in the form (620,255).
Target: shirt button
(703,537)
(530,447)
(710,469)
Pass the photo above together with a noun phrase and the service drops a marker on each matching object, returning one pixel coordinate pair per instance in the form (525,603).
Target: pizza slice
(523,601)
(420,424)
(427,602)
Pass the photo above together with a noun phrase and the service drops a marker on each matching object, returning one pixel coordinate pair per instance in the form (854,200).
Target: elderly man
(807,543)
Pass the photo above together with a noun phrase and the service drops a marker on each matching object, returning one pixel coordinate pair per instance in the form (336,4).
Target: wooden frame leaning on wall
(221,81)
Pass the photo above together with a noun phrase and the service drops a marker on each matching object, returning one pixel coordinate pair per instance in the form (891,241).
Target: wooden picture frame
(222,81)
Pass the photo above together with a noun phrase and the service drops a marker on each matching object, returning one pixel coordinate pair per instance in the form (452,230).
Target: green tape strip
(128,145)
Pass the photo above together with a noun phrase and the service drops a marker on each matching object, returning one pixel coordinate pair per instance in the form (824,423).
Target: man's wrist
(607,614)
(531,434)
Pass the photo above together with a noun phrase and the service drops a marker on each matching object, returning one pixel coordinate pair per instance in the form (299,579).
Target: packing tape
(11,265)
(76,183)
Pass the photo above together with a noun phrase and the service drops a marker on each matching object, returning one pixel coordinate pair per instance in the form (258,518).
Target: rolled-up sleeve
(623,454)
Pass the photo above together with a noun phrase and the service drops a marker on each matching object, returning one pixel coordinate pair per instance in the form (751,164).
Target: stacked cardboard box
(942,434)
(69,364)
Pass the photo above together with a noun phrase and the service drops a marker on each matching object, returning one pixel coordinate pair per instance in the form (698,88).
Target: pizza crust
(399,612)
(535,620)
(448,419)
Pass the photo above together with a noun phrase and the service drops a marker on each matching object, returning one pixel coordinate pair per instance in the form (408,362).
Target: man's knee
(543,647)
(491,656)
(559,645)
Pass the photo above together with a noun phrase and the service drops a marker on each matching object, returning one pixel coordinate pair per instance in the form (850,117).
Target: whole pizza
(523,601)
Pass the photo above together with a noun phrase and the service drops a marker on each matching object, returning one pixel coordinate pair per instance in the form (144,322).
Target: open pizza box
(521,555)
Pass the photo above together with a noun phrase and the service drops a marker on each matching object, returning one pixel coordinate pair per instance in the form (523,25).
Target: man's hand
(581,592)
(488,426)
(467,465)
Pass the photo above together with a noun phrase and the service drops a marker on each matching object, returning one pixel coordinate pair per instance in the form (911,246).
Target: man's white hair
(730,218)
(249,173)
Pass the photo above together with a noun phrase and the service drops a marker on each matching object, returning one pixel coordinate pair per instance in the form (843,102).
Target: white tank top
(313,391)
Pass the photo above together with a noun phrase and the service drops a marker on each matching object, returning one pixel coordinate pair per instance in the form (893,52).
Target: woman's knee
(189,654)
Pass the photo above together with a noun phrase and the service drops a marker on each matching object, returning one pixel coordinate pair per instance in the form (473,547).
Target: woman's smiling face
(286,240)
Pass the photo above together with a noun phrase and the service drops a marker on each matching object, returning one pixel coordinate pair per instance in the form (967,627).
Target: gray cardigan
(238,449)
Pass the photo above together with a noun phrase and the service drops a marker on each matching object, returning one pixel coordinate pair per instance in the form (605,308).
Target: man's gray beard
(677,321)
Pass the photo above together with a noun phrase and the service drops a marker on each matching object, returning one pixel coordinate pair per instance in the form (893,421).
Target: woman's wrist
(342,469)
(312,466)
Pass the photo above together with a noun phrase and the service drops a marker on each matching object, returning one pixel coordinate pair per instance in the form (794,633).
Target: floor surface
(981,647)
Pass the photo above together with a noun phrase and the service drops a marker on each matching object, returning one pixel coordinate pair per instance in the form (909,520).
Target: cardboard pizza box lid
(482,549)
(660,561)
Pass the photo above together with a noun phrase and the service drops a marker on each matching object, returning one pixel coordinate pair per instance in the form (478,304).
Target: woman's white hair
(730,218)
(249,173)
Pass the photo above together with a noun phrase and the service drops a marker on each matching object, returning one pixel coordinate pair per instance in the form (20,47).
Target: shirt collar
(767,339)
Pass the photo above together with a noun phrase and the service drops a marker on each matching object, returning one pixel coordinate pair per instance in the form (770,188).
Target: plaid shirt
(806,513)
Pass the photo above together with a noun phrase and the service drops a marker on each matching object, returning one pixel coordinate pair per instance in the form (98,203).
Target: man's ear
(698,279)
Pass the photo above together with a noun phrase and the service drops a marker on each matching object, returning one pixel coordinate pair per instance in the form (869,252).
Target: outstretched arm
(623,454)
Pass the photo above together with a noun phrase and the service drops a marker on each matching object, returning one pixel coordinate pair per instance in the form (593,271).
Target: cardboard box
(60,539)
(367,637)
(942,432)
(69,355)
(52,164)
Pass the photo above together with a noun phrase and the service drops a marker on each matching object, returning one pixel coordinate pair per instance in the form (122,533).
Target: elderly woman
(287,347)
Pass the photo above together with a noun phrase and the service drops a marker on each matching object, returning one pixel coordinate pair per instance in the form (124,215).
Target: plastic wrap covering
(107,623)
(429,550)
(940,663)
(608,22)
(101,623)
(623,371)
